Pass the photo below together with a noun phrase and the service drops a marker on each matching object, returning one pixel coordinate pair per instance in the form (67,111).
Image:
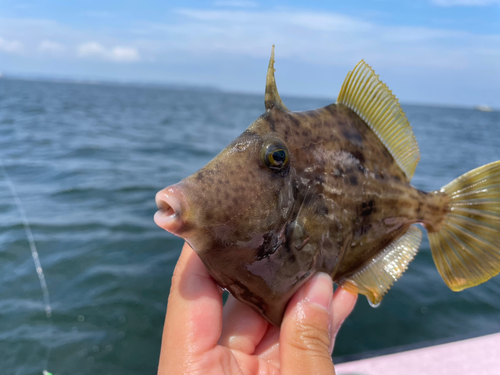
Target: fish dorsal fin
(371,99)
(272,98)
(377,277)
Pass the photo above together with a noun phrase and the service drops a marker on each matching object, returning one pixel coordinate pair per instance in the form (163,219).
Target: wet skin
(340,200)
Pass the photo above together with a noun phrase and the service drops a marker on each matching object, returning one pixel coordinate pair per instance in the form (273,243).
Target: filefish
(329,190)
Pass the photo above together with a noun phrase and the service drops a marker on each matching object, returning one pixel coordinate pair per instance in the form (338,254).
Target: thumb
(306,332)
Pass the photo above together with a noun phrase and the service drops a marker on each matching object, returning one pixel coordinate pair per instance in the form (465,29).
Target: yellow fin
(377,277)
(466,249)
(272,98)
(371,99)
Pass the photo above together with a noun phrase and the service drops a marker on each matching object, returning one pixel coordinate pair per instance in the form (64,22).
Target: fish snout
(172,207)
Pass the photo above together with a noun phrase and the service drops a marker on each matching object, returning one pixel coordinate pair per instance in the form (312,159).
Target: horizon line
(180,86)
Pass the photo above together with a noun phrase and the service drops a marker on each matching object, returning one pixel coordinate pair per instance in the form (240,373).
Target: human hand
(202,337)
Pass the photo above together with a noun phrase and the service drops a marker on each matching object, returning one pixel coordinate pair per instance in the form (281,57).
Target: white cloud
(125,54)
(95,50)
(451,3)
(209,45)
(12,46)
(325,38)
(50,47)
(92,49)
(237,4)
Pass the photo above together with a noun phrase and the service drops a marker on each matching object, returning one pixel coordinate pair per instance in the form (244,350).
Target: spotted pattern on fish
(360,200)
(329,190)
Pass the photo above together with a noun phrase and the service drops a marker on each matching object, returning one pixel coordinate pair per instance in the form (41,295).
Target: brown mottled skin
(341,201)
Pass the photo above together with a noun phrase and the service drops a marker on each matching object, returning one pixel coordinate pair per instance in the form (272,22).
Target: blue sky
(429,51)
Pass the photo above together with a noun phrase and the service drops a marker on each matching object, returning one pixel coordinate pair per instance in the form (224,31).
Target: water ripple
(87,161)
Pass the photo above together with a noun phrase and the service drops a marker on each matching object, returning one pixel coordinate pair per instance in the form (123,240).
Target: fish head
(244,192)
(239,214)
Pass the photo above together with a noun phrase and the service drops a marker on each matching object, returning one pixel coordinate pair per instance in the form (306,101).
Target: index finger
(194,300)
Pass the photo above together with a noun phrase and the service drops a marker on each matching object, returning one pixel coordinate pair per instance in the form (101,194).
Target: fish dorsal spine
(272,98)
(364,93)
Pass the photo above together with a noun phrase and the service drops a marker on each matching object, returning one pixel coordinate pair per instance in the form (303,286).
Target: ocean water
(87,161)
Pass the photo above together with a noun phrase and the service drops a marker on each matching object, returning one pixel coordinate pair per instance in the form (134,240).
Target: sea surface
(87,160)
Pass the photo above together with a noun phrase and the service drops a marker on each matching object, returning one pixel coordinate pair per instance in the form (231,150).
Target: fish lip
(171,206)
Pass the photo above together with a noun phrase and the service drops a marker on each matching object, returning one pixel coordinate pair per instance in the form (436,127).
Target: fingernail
(320,290)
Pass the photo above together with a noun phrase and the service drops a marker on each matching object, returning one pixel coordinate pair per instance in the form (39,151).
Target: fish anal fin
(364,93)
(377,277)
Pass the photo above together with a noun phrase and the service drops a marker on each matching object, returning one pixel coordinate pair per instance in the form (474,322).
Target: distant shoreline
(202,88)
(172,86)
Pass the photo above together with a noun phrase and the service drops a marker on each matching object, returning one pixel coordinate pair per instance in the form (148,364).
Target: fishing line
(34,255)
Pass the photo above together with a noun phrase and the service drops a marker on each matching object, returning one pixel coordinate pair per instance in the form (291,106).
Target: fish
(329,190)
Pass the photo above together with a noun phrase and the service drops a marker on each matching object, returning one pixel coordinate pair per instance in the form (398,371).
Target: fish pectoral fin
(465,248)
(377,277)
(371,99)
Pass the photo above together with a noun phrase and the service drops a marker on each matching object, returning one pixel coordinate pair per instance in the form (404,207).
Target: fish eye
(275,155)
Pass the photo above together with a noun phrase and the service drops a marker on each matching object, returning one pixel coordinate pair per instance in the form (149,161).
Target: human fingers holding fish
(312,319)
(311,322)
(199,338)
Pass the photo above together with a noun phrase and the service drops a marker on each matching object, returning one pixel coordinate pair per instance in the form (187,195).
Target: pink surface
(477,356)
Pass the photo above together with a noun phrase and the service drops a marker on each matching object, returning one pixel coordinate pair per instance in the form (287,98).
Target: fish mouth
(165,208)
(171,205)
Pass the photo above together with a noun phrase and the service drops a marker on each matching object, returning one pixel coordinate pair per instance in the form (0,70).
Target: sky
(441,52)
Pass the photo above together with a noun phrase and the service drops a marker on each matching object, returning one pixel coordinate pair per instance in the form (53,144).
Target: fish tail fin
(466,246)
